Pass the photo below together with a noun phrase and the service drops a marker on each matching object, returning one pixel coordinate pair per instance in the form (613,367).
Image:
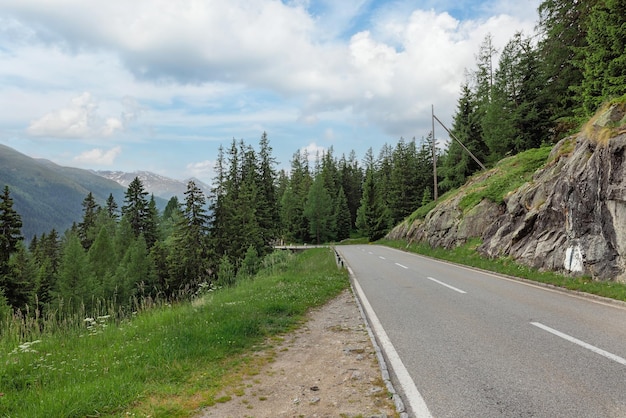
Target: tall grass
(166,361)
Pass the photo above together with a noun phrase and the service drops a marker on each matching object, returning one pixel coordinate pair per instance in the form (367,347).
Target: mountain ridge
(49,196)
(157,184)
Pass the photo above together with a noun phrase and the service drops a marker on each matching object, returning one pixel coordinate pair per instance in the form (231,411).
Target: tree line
(544,86)
(119,255)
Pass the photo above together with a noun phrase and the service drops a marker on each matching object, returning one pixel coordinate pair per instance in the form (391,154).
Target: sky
(159,85)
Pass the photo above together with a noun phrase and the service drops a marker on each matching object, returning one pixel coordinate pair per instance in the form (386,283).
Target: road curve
(477,344)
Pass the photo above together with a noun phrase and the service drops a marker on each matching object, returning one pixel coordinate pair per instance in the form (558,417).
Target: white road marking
(400,265)
(447,285)
(381,257)
(412,395)
(583,344)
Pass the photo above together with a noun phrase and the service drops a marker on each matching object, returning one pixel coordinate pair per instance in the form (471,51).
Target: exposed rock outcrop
(571,217)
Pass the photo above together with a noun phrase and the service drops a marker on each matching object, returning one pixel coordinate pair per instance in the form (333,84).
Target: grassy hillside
(47,195)
(494,184)
(165,362)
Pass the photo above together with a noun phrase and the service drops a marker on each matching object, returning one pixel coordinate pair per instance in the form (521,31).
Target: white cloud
(313,150)
(98,156)
(79,119)
(204,170)
(184,61)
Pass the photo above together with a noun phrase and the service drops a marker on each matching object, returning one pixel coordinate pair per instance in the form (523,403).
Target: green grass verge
(168,361)
(467,255)
(510,174)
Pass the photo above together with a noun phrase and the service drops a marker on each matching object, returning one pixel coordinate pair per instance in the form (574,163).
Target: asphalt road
(479,345)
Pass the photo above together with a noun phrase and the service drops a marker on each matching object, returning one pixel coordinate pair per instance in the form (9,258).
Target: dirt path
(327,368)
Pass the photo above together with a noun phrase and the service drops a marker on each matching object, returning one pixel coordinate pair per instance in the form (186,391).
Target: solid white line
(447,285)
(411,394)
(400,265)
(583,344)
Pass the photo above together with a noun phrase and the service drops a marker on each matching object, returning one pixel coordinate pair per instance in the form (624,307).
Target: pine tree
(405,189)
(133,271)
(342,219)
(10,229)
(136,206)
(151,225)
(250,263)
(268,214)
(74,286)
(457,164)
(373,217)
(188,259)
(563,26)
(86,228)
(294,198)
(20,279)
(319,211)
(516,118)
(111,207)
(103,260)
(351,180)
(604,74)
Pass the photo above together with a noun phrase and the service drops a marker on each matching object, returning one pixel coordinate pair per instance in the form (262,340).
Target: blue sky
(159,85)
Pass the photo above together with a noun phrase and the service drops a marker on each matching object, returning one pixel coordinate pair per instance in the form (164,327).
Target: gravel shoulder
(326,368)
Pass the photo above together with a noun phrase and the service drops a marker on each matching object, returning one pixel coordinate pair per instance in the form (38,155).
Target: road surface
(476,344)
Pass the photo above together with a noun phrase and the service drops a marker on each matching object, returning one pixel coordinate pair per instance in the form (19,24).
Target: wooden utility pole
(434,146)
(457,140)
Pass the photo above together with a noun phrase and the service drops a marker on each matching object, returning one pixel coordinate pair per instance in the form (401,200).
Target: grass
(510,173)
(467,255)
(168,361)
(507,175)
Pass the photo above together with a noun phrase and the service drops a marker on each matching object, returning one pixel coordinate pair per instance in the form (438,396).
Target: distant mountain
(49,196)
(161,186)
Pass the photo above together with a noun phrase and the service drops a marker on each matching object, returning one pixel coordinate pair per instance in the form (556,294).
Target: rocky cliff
(571,216)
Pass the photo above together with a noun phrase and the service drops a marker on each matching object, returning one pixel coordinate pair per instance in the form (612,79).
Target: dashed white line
(381,257)
(447,285)
(400,265)
(583,344)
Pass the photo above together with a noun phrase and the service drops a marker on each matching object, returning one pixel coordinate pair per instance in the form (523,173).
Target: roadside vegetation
(468,256)
(169,360)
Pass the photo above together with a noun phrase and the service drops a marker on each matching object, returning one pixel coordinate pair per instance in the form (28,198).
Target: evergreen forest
(120,255)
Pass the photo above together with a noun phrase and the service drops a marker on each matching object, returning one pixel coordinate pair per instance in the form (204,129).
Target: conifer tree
(111,207)
(351,177)
(268,214)
(604,74)
(10,229)
(189,257)
(373,217)
(342,219)
(319,211)
(457,164)
(135,269)
(103,260)
(87,227)
(563,29)
(74,286)
(151,226)
(136,206)
(20,280)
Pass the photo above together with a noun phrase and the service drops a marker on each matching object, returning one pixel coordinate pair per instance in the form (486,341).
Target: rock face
(571,217)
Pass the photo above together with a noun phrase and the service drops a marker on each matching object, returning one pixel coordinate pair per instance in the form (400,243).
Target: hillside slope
(50,196)
(569,215)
